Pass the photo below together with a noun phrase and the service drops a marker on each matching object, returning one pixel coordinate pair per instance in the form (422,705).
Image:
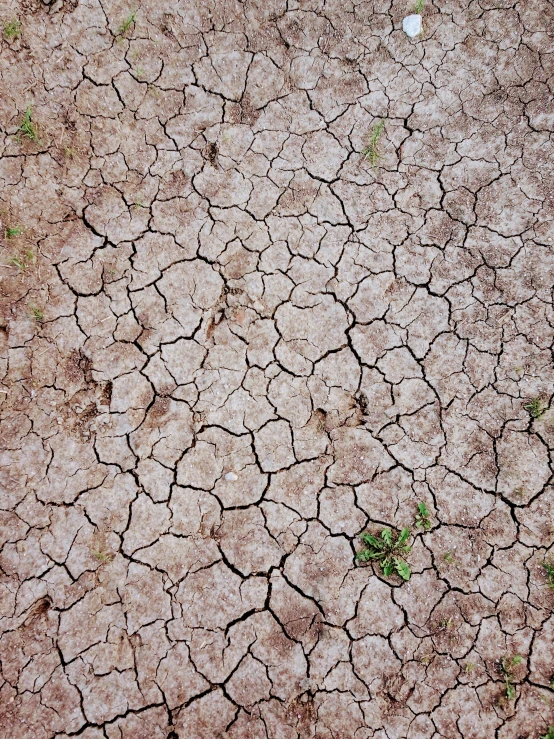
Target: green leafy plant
(12,29)
(127,22)
(371,151)
(549,733)
(549,569)
(27,128)
(389,550)
(449,557)
(13,232)
(535,407)
(418,7)
(507,664)
(423,517)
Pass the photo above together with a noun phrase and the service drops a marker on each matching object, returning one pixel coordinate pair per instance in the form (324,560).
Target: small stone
(231,477)
(411,25)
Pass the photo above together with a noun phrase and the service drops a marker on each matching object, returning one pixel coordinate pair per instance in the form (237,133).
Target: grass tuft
(12,29)
(103,556)
(419,6)
(389,550)
(535,407)
(27,128)
(371,152)
(12,232)
(127,22)
(23,261)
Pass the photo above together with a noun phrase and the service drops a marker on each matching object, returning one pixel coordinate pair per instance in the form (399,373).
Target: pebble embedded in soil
(411,25)
(231,477)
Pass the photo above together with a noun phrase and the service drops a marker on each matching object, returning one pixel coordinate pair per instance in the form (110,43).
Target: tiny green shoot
(371,152)
(535,407)
(549,733)
(389,550)
(12,232)
(27,128)
(22,261)
(103,556)
(507,666)
(127,22)
(419,6)
(549,569)
(12,29)
(37,313)
(423,517)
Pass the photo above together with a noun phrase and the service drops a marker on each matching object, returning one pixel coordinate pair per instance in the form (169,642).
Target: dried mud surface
(230,345)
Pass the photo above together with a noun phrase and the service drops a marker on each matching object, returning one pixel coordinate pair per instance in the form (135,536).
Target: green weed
(389,550)
(549,733)
(449,557)
(549,569)
(423,517)
(371,151)
(12,232)
(507,666)
(535,407)
(418,7)
(27,128)
(12,29)
(127,22)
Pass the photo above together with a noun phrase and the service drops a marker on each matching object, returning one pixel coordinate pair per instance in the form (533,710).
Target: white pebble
(231,477)
(411,25)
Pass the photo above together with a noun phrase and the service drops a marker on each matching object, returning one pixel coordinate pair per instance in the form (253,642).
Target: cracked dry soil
(230,345)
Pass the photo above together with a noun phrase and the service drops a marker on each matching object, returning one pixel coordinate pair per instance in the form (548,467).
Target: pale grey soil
(231,344)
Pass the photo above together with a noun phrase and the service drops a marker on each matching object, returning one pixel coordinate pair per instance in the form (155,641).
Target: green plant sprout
(37,313)
(507,666)
(24,261)
(549,733)
(419,6)
(27,128)
(371,151)
(103,556)
(389,551)
(549,569)
(535,407)
(12,232)
(423,517)
(127,23)
(12,29)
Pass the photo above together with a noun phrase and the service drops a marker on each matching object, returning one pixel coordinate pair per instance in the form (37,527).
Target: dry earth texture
(273,275)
